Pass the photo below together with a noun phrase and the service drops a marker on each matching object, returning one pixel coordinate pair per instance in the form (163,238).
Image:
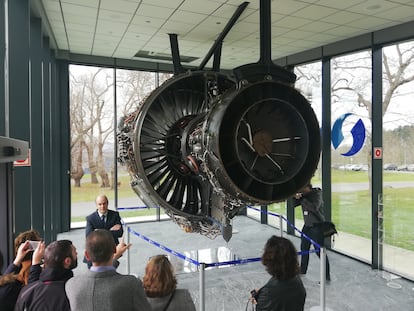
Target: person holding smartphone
(16,275)
(284,290)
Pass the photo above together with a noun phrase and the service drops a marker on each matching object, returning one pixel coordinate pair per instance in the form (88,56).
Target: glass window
(92,139)
(398,159)
(132,89)
(274,220)
(309,83)
(350,156)
(94,148)
(253,212)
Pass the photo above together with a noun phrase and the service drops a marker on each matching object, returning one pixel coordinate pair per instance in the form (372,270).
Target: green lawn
(126,214)
(351,211)
(88,192)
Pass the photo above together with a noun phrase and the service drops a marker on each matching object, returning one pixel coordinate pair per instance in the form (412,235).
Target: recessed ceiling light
(373,7)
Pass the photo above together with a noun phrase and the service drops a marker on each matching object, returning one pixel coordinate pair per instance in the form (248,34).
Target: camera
(255,294)
(33,244)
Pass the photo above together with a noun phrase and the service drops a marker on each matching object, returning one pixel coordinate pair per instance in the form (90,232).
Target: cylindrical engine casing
(294,121)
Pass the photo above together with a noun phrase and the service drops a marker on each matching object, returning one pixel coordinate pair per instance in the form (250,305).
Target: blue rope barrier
(165,248)
(193,261)
(258,210)
(232,262)
(316,245)
(217,264)
(131,208)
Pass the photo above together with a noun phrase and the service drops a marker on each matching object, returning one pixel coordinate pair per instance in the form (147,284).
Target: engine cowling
(202,146)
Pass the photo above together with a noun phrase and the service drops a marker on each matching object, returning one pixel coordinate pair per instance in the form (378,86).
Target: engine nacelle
(202,147)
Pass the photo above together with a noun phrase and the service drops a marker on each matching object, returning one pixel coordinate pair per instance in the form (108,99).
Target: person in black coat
(16,275)
(284,291)
(104,218)
(310,198)
(48,291)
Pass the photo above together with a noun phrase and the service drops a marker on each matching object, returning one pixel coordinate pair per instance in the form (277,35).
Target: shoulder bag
(328,227)
(169,301)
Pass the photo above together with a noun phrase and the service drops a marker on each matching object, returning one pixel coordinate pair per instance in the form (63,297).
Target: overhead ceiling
(122,28)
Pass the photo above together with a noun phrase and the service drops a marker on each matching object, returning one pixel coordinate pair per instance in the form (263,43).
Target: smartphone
(34,244)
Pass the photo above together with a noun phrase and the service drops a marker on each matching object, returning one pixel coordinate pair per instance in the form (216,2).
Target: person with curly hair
(284,291)
(17,273)
(160,286)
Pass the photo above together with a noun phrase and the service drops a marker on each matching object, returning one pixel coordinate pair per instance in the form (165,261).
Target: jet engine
(204,144)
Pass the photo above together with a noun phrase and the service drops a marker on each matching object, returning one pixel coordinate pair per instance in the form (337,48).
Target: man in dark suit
(104,218)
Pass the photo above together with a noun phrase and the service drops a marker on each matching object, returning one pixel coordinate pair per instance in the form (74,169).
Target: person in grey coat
(160,285)
(102,288)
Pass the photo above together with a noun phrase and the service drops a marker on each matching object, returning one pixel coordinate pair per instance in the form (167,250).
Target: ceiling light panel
(343,18)
(155,11)
(314,12)
(200,6)
(119,6)
(163,3)
(398,14)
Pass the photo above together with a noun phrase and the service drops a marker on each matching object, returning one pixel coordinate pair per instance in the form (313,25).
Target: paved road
(347,187)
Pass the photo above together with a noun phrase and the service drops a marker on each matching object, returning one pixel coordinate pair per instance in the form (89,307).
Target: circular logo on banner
(357,132)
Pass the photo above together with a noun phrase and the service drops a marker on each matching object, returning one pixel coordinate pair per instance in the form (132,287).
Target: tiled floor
(354,286)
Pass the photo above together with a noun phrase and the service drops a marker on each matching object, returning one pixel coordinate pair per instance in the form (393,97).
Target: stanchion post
(323,276)
(202,268)
(281,226)
(128,253)
(322,306)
